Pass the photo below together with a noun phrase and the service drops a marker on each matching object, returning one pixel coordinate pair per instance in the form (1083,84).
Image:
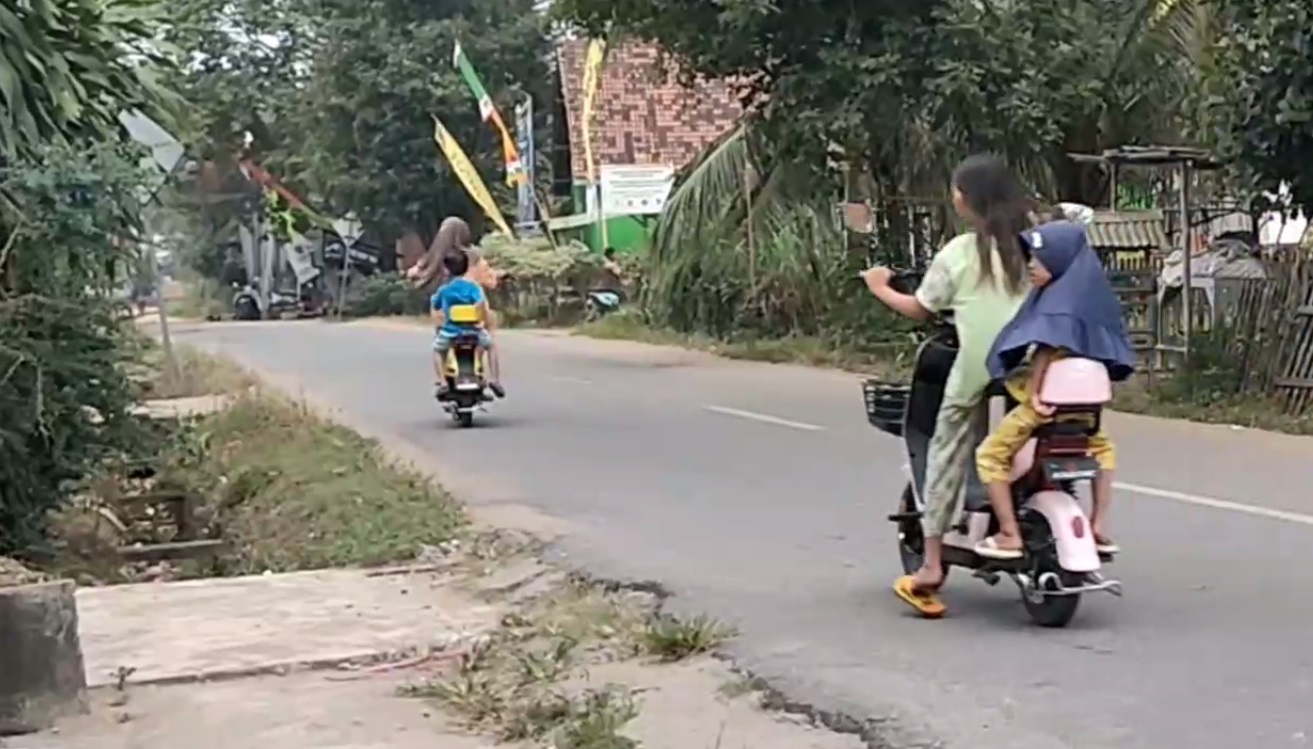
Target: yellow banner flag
(592,81)
(468,175)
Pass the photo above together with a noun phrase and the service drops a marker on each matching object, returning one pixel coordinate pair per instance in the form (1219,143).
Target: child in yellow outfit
(1071,311)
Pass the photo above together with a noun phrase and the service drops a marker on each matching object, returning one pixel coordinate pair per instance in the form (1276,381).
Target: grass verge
(526,681)
(285,488)
(291,490)
(889,360)
(194,373)
(1131,397)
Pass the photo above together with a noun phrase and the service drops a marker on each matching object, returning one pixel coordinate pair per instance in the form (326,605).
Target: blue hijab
(1077,310)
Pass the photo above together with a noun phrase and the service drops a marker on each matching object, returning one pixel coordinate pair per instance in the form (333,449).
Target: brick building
(642,116)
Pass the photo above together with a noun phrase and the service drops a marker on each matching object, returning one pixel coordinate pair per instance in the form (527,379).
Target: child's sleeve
(435,301)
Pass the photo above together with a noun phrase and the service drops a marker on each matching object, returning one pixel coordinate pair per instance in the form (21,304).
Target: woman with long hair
(454,235)
(981,277)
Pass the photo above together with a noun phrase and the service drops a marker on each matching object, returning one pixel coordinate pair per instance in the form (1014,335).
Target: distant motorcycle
(246,303)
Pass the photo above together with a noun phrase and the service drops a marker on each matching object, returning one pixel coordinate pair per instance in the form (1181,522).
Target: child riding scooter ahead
(1072,311)
(460,291)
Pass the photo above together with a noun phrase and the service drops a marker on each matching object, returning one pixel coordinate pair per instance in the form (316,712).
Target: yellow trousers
(994,456)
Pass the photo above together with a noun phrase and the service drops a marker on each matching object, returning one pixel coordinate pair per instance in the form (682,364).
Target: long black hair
(1001,210)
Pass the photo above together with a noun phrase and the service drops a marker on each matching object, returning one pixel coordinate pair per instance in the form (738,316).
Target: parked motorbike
(601,302)
(1060,561)
(464,371)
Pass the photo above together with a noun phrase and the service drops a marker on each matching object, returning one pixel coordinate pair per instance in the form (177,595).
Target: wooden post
(752,246)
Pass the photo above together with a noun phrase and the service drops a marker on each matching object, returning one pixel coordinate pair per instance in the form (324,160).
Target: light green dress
(980,310)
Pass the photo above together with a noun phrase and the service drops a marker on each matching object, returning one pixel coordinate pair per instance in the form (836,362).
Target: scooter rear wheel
(1047,611)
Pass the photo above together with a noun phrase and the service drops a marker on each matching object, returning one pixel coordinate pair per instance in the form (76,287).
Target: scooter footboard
(1072,537)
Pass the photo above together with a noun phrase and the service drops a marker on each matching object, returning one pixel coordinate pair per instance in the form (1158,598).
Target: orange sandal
(925,602)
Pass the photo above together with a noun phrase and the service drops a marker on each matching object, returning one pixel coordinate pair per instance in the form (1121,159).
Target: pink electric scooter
(1060,562)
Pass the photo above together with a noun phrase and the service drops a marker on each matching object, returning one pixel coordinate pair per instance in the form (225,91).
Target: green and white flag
(488,113)
(462,63)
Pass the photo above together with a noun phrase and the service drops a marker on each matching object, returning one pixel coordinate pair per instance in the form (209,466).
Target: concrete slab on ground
(198,629)
(300,711)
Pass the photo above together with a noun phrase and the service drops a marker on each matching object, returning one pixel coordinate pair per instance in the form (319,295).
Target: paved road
(758,492)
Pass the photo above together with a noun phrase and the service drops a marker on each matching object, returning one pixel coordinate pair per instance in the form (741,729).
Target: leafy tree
(67,209)
(339,94)
(68,67)
(68,215)
(905,89)
(1263,89)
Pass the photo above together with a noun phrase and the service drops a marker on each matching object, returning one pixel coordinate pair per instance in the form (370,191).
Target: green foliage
(536,260)
(341,108)
(292,491)
(66,216)
(385,294)
(68,67)
(779,270)
(1264,94)
(902,91)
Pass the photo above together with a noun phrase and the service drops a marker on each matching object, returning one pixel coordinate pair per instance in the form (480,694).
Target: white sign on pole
(634,190)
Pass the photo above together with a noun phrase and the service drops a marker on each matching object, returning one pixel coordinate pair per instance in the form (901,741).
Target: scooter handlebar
(904,280)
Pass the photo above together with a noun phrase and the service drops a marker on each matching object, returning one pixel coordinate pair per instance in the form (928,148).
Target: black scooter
(1060,562)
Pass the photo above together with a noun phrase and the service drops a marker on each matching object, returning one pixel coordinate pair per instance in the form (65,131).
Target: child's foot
(497,389)
(1001,547)
(1104,544)
(440,390)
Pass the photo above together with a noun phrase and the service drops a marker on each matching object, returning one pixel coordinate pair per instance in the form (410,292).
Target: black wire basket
(886,404)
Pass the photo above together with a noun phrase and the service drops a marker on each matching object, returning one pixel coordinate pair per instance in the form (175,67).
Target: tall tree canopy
(905,88)
(1264,94)
(338,95)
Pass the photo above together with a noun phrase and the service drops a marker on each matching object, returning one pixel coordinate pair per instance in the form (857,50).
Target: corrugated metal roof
(1128,230)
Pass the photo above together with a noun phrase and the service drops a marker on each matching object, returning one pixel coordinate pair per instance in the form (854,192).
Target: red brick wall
(640,117)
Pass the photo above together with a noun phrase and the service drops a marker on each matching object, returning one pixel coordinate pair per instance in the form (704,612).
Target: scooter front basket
(886,404)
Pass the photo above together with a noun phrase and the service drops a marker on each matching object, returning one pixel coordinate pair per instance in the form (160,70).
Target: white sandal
(989,549)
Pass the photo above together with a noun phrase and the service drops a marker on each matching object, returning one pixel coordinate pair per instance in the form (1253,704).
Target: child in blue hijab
(1072,310)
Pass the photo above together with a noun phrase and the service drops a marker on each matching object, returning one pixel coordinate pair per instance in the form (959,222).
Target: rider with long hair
(980,276)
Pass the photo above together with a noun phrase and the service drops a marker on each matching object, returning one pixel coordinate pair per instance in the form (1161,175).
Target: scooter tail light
(1078,527)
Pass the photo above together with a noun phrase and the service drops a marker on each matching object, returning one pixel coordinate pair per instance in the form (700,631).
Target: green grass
(293,491)
(890,359)
(194,373)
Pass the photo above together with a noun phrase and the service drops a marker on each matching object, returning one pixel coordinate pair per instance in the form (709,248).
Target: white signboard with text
(633,190)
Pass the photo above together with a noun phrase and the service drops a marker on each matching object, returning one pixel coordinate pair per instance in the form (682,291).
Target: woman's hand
(877,278)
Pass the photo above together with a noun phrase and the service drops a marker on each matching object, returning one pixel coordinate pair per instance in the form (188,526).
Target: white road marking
(574,380)
(764,418)
(1217,504)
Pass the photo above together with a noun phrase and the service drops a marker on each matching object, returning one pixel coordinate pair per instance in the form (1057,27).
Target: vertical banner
(592,82)
(468,175)
(524,141)
(488,113)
